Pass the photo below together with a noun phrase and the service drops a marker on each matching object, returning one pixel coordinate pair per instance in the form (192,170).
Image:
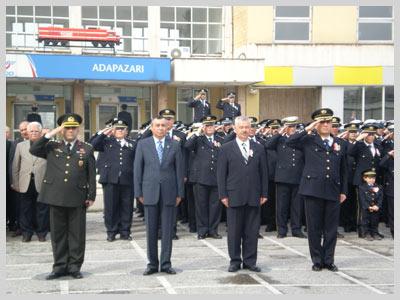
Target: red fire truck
(61,36)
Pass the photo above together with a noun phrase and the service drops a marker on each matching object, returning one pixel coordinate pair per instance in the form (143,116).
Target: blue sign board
(44,97)
(89,67)
(126,99)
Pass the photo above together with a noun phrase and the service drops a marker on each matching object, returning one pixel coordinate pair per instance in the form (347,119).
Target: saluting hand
(283,130)
(362,136)
(56,130)
(310,127)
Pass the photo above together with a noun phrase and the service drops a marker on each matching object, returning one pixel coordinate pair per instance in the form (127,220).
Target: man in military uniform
(335,126)
(323,185)
(69,187)
(226,126)
(229,106)
(208,208)
(201,106)
(289,166)
(367,154)
(117,178)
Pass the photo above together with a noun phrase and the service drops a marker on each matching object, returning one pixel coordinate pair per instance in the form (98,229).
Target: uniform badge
(80,163)
(217,144)
(336,147)
(375,189)
(251,153)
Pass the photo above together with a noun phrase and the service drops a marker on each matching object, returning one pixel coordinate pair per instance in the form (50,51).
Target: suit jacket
(24,164)
(367,197)
(152,179)
(387,164)
(70,178)
(242,183)
(205,158)
(364,159)
(8,165)
(117,160)
(200,110)
(228,110)
(325,172)
(289,162)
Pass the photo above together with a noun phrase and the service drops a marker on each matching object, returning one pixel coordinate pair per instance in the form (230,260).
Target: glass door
(105,112)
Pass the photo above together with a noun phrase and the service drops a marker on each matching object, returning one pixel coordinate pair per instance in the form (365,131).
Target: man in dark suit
(323,185)
(229,106)
(208,207)
(126,116)
(159,185)
(289,166)
(116,178)
(201,106)
(242,178)
(69,187)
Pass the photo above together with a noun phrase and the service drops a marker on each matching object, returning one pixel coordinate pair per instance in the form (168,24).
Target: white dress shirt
(246,145)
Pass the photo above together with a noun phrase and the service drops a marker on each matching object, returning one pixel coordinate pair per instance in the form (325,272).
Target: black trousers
(68,236)
(348,209)
(156,215)
(322,222)
(390,203)
(190,197)
(269,208)
(369,221)
(34,216)
(289,205)
(243,226)
(208,209)
(118,209)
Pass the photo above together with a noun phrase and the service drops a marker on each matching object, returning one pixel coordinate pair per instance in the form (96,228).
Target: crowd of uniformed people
(238,171)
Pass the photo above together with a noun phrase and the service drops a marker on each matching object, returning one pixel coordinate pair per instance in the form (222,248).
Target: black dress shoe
(201,236)
(26,238)
(260,236)
(339,235)
(233,268)
(54,275)
(316,267)
(281,236)
(150,271)
(41,238)
(125,237)
(170,271)
(380,235)
(252,268)
(76,275)
(331,267)
(375,236)
(299,235)
(175,237)
(111,238)
(140,215)
(215,236)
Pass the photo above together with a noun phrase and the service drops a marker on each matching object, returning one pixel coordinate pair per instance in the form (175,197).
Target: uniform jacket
(367,197)
(25,164)
(70,178)
(152,179)
(242,183)
(229,110)
(325,172)
(200,110)
(387,164)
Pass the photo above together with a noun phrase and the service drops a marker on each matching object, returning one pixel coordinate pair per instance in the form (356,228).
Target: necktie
(69,148)
(210,139)
(245,154)
(119,142)
(372,150)
(326,143)
(160,150)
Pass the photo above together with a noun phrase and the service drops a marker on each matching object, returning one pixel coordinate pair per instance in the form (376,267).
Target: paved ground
(365,267)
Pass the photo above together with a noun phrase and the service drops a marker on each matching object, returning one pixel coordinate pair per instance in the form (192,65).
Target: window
(185,113)
(292,23)
(375,23)
(22,23)
(369,102)
(130,22)
(199,28)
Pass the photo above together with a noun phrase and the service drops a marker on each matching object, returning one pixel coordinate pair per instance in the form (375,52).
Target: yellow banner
(277,76)
(358,75)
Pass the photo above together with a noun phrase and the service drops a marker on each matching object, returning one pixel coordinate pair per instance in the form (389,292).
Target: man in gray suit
(158,183)
(27,176)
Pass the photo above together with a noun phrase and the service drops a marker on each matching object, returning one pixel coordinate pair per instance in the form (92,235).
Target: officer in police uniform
(69,187)
(208,207)
(323,185)
(117,178)
(335,126)
(227,128)
(229,106)
(201,106)
(288,169)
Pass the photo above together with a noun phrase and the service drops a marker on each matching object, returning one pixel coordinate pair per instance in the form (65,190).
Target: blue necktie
(326,143)
(160,150)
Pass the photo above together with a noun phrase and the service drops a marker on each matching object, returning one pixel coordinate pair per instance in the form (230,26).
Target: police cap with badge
(209,120)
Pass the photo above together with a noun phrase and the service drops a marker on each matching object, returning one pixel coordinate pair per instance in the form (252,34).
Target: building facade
(280,60)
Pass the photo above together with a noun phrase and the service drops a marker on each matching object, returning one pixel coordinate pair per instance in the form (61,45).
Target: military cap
(119,123)
(69,120)
(325,114)
(336,121)
(209,120)
(388,123)
(351,127)
(253,121)
(380,124)
(226,121)
(391,128)
(357,122)
(290,121)
(274,123)
(369,128)
(263,122)
(370,121)
(231,94)
(369,172)
(110,121)
(203,91)
(167,113)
